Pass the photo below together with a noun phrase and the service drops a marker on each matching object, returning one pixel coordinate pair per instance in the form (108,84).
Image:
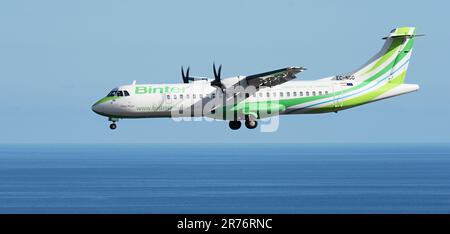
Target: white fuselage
(161,100)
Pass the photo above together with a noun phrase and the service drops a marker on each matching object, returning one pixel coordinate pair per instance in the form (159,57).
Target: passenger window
(126,93)
(120,93)
(168,96)
(294,94)
(314,93)
(288,94)
(213,95)
(175,96)
(320,93)
(301,94)
(201,95)
(181,96)
(260,94)
(326,92)
(268,94)
(187,96)
(281,94)
(254,94)
(307,93)
(194,96)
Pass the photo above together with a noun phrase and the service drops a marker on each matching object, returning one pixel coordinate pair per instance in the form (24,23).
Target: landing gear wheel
(235,125)
(112,126)
(251,124)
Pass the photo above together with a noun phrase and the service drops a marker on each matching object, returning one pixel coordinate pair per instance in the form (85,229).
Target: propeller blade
(185,76)
(215,72)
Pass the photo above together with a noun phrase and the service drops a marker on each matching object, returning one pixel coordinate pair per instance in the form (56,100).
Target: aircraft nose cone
(95,108)
(100,108)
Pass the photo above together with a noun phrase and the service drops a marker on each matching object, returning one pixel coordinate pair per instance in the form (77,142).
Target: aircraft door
(196,100)
(337,91)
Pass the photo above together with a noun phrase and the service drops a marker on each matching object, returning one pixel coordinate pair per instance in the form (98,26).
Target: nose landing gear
(113,125)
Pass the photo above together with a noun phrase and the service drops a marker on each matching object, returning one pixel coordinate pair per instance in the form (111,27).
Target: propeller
(217,82)
(185,76)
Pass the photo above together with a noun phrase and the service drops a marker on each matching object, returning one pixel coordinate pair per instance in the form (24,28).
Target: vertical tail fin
(392,59)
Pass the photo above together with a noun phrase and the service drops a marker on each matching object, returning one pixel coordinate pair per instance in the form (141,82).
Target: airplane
(264,95)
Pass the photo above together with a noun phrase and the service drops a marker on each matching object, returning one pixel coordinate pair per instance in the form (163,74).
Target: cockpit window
(112,93)
(119,93)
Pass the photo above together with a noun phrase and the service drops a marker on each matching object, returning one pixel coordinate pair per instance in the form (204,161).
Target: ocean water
(279,178)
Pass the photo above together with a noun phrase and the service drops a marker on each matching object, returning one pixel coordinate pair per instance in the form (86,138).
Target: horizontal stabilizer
(403,32)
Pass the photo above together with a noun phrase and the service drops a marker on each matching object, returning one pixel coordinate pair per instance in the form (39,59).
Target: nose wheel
(112,126)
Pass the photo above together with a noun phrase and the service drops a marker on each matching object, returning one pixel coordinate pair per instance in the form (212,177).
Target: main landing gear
(250,124)
(235,125)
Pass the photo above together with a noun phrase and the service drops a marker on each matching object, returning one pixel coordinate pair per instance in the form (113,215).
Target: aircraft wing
(262,80)
(273,78)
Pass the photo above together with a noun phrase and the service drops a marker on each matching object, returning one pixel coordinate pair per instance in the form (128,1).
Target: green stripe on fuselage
(363,99)
(106,99)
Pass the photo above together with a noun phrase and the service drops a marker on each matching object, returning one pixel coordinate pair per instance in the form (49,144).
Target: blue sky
(59,57)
